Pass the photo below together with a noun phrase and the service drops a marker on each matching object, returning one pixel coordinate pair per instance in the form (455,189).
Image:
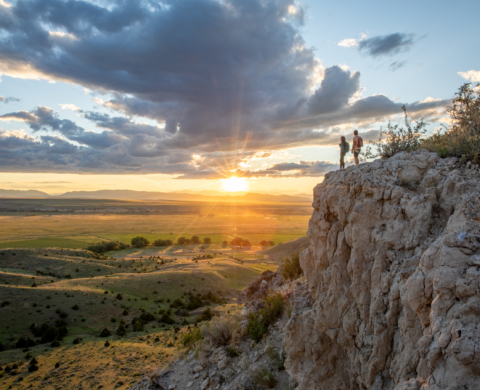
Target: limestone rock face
(393,272)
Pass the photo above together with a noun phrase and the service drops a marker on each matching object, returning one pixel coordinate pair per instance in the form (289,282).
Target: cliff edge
(393,270)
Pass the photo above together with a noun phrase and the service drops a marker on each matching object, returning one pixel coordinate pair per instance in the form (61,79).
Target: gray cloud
(7,100)
(386,45)
(223,79)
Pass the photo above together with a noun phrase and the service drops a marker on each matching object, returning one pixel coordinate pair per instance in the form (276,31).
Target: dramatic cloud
(221,80)
(8,99)
(471,75)
(386,45)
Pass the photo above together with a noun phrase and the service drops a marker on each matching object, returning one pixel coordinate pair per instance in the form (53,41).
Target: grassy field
(38,284)
(77,231)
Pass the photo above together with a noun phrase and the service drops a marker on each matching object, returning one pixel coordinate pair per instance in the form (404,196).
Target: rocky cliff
(393,271)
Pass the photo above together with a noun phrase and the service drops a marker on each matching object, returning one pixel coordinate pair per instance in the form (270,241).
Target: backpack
(360,141)
(347,147)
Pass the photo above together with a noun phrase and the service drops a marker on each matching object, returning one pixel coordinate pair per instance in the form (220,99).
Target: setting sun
(235,184)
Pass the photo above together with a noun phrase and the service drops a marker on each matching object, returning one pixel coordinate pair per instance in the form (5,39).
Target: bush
(258,323)
(291,269)
(264,377)
(25,342)
(397,139)
(76,341)
(137,324)
(121,331)
(239,241)
(191,337)
(163,243)
(166,319)
(75,307)
(51,334)
(147,317)
(207,240)
(55,344)
(221,330)
(463,139)
(105,333)
(140,242)
(207,315)
(278,359)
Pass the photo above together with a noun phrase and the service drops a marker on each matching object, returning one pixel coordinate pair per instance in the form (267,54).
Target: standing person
(357,145)
(344,149)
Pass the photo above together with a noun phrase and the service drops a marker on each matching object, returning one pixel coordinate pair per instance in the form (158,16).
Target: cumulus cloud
(386,45)
(471,75)
(7,100)
(348,42)
(222,80)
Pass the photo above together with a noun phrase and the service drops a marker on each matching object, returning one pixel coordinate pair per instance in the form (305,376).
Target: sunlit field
(77,231)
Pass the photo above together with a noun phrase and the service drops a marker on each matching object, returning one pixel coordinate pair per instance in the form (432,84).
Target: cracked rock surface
(393,272)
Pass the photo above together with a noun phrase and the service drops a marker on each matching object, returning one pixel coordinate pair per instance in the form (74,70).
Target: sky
(179,94)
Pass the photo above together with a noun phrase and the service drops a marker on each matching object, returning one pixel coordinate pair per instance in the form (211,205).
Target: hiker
(344,149)
(357,145)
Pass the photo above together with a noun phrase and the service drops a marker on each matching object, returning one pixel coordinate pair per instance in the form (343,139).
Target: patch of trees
(239,241)
(195,240)
(163,243)
(140,242)
(139,322)
(107,246)
(267,243)
(49,333)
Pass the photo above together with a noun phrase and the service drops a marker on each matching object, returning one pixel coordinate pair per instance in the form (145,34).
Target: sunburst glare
(235,184)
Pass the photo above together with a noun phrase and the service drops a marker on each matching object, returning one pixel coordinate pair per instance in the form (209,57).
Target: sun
(234,184)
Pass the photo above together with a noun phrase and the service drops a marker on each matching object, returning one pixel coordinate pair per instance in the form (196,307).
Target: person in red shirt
(357,146)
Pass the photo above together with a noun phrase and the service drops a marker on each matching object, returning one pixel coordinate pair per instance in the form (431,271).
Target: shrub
(207,315)
(191,337)
(25,342)
(163,243)
(462,140)
(137,325)
(61,313)
(55,344)
(107,344)
(397,139)
(119,297)
(166,319)
(57,364)
(291,269)
(147,317)
(32,368)
(232,351)
(258,323)
(125,312)
(121,331)
(105,333)
(278,359)
(75,307)
(207,240)
(221,330)
(140,242)
(76,341)
(264,377)
(51,334)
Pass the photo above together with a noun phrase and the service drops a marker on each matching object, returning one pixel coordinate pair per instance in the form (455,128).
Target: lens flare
(234,184)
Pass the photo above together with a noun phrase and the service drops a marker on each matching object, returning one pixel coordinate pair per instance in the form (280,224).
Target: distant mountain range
(203,196)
